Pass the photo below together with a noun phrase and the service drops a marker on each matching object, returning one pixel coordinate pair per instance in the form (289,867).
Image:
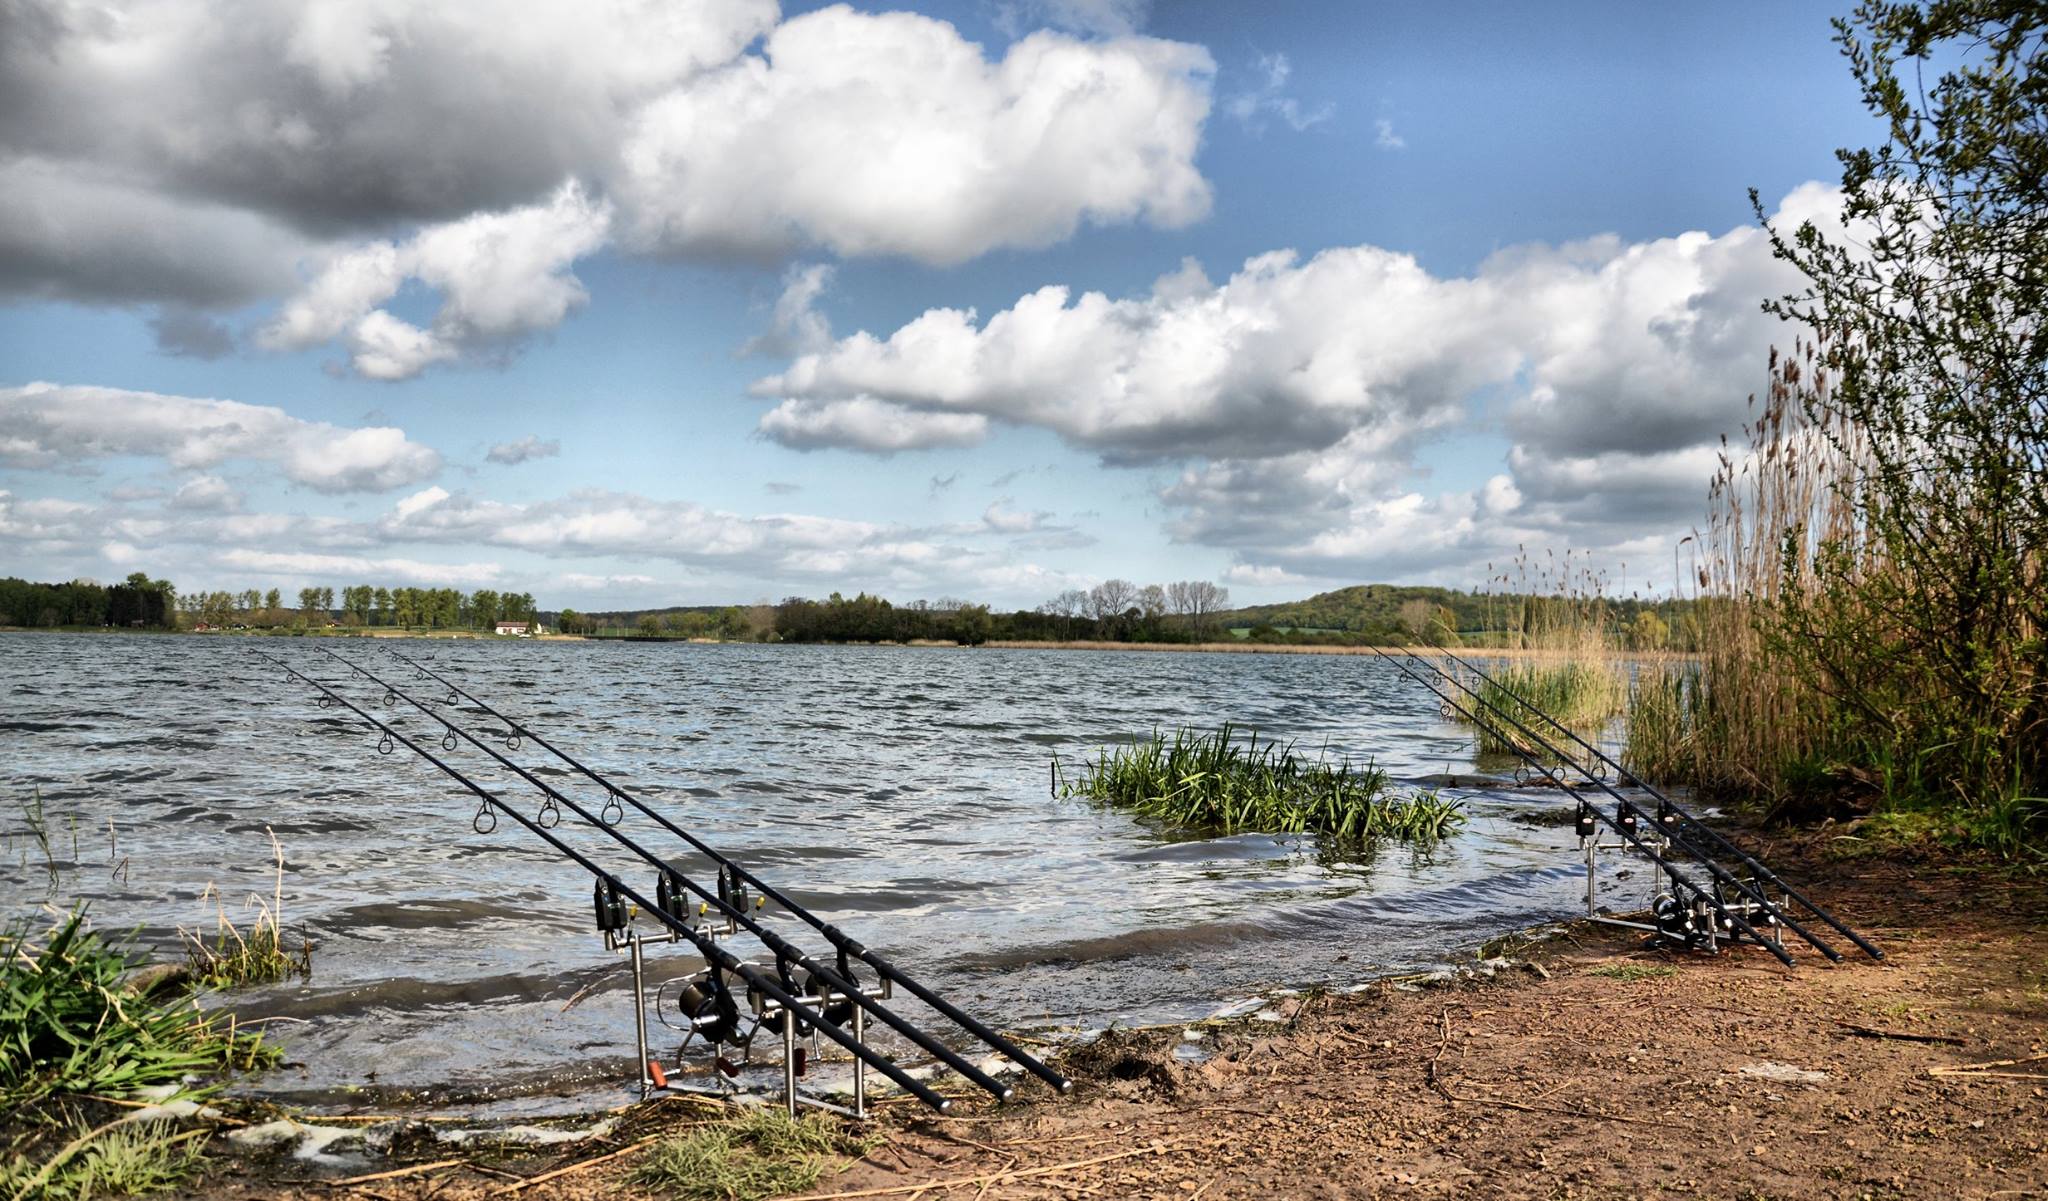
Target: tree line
(137,603)
(363,605)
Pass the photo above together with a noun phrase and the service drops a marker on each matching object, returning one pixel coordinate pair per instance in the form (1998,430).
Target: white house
(518,629)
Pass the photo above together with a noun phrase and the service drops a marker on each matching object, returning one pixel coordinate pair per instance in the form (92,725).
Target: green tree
(1925,619)
(382,599)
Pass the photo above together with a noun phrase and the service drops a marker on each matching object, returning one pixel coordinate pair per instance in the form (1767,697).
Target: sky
(646,303)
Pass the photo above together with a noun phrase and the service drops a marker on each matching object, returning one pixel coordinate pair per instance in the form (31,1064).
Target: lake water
(900,792)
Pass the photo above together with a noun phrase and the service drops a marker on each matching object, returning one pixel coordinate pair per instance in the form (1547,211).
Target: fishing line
(1668,807)
(843,942)
(707,946)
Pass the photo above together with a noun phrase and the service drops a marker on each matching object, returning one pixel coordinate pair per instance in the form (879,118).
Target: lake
(901,792)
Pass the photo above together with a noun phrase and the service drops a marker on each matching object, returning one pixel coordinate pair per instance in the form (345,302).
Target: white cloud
(203,152)
(501,276)
(52,425)
(360,567)
(524,450)
(891,134)
(1002,518)
(208,493)
(1297,393)
(864,423)
(1384,136)
(798,328)
(1284,356)
(1253,106)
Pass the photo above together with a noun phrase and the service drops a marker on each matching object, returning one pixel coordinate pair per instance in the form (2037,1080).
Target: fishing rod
(1720,874)
(1667,805)
(840,940)
(783,950)
(707,946)
(1734,920)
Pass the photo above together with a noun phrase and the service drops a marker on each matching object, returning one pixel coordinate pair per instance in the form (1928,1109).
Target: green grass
(67,1024)
(1634,971)
(122,1161)
(1582,694)
(1213,783)
(761,1153)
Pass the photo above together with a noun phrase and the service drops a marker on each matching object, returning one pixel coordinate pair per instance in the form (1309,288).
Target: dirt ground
(1590,1068)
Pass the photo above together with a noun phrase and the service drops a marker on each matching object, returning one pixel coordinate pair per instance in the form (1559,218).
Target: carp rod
(1733,919)
(1720,874)
(1667,805)
(708,947)
(842,941)
(783,949)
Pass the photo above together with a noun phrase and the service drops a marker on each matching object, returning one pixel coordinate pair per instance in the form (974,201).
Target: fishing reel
(708,1009)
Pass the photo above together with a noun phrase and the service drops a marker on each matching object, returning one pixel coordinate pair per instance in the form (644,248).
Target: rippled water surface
(901,792)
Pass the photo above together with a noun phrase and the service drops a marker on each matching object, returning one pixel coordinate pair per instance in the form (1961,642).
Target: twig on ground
(580,1166)
(395,1173)
(1437,1083)
(1900,1035)
(1961,1069)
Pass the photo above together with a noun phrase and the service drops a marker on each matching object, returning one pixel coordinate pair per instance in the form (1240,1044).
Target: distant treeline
(364,605)
(1387,613)
(139,602)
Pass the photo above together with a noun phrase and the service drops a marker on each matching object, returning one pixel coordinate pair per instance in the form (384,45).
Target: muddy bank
(1583,1066)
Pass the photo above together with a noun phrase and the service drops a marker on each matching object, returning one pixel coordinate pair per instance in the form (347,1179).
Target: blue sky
(656,303)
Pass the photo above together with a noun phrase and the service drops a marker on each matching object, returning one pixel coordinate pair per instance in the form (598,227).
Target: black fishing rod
(1666,804)
(1721,874)
(755,979)
(840,940)
(782,948)
(1734,920)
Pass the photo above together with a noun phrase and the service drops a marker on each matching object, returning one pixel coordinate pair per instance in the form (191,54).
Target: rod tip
(944,1106)
(1006,1094)
(1065,1086)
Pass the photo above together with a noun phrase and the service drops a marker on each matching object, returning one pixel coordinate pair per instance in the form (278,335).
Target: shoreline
(1573,1063)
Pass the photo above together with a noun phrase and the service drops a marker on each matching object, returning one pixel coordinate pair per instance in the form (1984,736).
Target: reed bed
(1214,783)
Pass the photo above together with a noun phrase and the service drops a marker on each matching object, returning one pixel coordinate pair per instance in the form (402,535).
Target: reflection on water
(901,792)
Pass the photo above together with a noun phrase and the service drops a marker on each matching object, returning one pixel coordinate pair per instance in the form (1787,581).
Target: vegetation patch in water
(1581,693)
(1214,783)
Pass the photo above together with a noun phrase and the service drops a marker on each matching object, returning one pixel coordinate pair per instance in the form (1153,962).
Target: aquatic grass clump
(761,1153)
(1215,783)
(68,1024)
(233,958)
(1581,693)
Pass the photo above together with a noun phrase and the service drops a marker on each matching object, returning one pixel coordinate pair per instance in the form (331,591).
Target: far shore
(1309,648)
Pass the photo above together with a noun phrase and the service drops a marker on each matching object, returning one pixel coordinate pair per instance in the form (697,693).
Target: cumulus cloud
(501,276)
(205,153)
(1384,136)
(1286,355)
(186,334)
(53,426)
(525,449)
(1294,395)
(891,134)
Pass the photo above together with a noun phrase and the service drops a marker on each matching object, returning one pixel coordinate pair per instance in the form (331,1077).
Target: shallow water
(900,792)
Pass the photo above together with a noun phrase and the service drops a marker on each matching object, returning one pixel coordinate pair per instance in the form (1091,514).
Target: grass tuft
(127,1160)
(1581,693)
(232,958)
(68,1024)
(759,1154)
(1214,783)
